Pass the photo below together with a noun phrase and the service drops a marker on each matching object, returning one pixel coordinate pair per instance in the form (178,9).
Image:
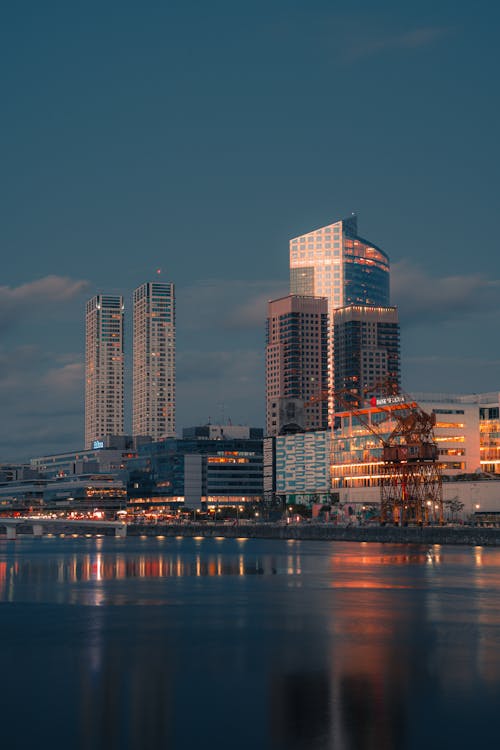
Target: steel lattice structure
(411,488)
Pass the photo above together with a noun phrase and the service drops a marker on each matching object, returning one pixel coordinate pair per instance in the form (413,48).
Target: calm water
(182,643)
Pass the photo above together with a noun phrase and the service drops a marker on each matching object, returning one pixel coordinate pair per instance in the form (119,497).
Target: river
(247,645)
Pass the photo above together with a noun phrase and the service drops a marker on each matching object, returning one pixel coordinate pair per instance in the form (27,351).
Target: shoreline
(468,535)
(471,536)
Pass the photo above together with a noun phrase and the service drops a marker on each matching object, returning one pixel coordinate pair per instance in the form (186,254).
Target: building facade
(153,400)
(303,467)
(107,455)
(335,262)
(104,357)
(198,471)
(366,344)
(296,363)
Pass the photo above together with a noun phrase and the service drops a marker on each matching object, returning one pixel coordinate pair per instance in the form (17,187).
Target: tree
(454,506)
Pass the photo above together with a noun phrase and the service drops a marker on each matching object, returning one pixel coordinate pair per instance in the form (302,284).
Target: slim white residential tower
(103,367)
(153,408)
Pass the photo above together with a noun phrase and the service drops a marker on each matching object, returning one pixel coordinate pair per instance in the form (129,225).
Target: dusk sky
(199,137)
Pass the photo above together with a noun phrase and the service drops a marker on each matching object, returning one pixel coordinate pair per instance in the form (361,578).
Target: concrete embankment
(465,535)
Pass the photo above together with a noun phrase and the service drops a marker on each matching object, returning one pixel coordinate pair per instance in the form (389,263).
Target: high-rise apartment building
(366,344)
(296,363)
(335,262)
(103,367)
(153,407)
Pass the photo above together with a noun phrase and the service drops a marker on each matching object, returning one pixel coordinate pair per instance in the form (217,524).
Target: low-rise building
(207,469)
(108,455)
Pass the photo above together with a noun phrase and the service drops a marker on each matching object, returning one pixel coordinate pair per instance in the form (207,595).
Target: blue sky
(199,137)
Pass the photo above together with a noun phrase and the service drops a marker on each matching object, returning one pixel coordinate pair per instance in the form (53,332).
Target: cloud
(28,300)
(42,402)
(374,43)
(230,304)
(69,377)
(422,299)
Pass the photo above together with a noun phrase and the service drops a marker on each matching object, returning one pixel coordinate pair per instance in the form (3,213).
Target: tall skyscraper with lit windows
(103,367)
(366,343)
(335,262)
(153,400)
(296,364)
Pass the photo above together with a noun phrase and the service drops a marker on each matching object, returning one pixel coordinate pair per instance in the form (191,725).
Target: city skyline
(204,159)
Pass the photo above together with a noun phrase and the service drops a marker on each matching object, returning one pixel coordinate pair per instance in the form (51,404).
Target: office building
(103,367)
(202,470)
(153,407)
(335,262)
(296,364)
(366,345)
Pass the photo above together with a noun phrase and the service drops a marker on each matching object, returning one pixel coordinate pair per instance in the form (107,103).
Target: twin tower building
(153,376)
(335,337)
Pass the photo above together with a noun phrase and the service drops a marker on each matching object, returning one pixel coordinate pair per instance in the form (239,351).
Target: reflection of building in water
(126,702)
(372,709)
(300,708)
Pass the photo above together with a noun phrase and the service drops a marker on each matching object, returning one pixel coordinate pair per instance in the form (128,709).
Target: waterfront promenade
(458,535)
(463,535)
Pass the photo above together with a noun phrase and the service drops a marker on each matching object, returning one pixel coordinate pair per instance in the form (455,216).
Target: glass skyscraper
(335,262)
(366,345)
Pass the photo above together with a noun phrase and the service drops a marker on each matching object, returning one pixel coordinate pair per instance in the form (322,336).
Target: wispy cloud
(367,45)
(42,401)
(230,304)
(422,298)
(37,296)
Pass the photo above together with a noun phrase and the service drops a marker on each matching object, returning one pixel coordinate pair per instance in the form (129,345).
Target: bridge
(39,524)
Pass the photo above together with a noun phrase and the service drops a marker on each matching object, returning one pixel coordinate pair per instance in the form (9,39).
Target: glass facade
(366,343)
(227,469)
(336,263)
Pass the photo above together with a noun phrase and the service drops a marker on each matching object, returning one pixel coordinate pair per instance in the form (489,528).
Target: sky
(199,138)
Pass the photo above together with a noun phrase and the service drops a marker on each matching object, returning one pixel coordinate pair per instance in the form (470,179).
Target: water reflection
(302,646)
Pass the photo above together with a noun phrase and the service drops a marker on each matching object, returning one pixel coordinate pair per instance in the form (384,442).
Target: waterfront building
(303,467)
(222,432)
(153,407)
(296,363)
(79,492)
(366,345)
(103,367)
(356,452)
(198,471)
(467,433)
(107,455)
(11,472)
(333,261)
